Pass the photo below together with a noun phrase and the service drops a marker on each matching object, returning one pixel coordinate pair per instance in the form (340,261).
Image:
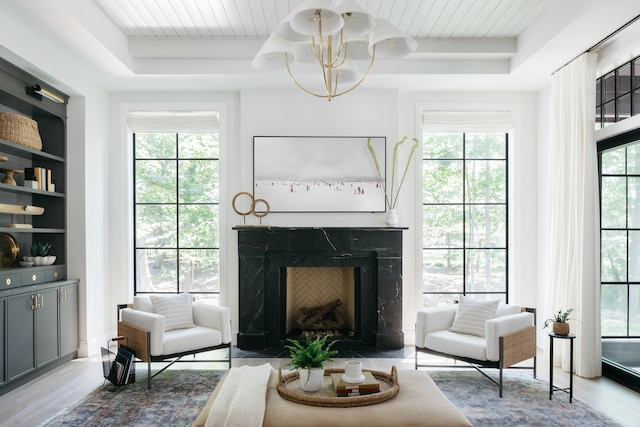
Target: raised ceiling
(251,19)
(463,45)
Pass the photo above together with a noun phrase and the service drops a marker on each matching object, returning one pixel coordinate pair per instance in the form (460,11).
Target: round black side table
(552,388)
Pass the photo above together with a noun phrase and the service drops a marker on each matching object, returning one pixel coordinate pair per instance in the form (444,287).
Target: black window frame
(215,294)
(464,205)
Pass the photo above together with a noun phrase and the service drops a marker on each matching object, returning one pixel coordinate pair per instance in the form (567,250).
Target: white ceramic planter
(311,379)
(40,260)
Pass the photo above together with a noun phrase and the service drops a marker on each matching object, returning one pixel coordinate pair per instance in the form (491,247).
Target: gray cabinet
(68,315)
(41,325)
(20,339)
(46,330)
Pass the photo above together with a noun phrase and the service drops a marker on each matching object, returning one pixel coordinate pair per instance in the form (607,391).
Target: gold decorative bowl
(9,250)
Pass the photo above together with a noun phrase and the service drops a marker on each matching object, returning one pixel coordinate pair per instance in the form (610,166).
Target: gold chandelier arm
(329,84)
(373,56)
(286,56)
(318,50)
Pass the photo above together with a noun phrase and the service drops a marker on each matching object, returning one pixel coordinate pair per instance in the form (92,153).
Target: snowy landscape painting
(319,174)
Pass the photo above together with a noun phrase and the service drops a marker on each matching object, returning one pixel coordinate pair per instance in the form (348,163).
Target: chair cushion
(185,340)
(143,303)
(472,315)
(460,345)
(175,308)
(507,309)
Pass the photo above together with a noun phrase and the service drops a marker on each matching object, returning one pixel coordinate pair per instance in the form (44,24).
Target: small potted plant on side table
(309,358)
(560,322)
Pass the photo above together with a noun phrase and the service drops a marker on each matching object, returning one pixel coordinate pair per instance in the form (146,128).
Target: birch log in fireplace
(362,267)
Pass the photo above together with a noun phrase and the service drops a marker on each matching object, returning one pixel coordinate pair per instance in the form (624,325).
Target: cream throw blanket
(242,399)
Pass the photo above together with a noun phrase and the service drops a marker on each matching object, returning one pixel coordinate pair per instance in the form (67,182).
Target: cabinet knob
(55,274)
(7,282)
(34,277)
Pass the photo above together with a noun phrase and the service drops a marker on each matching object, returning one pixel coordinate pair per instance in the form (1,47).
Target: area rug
(177,397)
(525,401)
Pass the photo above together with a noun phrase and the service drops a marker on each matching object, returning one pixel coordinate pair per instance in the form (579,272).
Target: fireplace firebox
(371,258)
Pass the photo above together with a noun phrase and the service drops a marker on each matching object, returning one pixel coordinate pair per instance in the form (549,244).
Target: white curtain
(573,253)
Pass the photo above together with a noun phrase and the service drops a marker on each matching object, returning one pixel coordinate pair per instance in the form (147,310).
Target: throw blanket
(242,398)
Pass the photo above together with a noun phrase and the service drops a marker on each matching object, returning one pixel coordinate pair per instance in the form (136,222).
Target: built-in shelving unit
(38,304)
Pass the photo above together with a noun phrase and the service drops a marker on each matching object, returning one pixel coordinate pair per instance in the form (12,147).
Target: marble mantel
(265,252)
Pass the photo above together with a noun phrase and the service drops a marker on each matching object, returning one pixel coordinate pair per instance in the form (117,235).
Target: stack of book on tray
(370,385)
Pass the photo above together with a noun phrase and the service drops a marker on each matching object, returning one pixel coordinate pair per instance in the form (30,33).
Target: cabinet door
(3,341)
(47,326)
(20,329)
(68,319)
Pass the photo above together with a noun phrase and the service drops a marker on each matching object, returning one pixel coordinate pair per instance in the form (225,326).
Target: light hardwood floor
(36,402)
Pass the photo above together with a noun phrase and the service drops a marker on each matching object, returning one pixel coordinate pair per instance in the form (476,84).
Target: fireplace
(321,301)
(368,260)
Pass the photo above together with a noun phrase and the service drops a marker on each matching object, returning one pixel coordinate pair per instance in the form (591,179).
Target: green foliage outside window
(464,187)
(177,212)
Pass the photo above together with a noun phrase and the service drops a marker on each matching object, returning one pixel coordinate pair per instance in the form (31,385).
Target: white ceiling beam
(202,66)
(247,48)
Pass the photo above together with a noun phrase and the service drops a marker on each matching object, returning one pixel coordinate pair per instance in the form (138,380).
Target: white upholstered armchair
(167,327)
(485,334)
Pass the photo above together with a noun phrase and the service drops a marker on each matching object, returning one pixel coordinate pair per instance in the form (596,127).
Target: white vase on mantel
(392,218)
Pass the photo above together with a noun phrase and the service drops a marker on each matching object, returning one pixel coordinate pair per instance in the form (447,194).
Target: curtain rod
(601,42)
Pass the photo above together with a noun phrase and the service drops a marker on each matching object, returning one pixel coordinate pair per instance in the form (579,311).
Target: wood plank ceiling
(252,19)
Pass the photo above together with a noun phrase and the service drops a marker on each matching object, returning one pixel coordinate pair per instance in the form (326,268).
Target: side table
(553,388)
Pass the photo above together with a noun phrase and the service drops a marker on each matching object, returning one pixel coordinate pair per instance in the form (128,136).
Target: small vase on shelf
(392,218)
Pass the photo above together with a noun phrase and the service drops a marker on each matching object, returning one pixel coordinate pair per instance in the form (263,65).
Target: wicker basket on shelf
(20,129)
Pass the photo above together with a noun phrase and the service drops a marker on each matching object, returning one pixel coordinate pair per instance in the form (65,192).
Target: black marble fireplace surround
(266,252)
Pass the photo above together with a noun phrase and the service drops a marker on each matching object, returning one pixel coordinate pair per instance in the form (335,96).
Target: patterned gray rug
(525,401)
(177,397)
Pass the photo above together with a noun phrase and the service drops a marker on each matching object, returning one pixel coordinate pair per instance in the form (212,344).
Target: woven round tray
(289,388)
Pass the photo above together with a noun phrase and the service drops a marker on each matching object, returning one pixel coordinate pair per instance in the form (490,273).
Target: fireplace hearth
(370,258)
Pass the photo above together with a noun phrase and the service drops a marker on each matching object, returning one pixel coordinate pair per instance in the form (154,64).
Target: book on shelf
(368,386)
(42,176)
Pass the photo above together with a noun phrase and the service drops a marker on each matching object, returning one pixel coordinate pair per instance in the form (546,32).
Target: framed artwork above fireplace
(319,174)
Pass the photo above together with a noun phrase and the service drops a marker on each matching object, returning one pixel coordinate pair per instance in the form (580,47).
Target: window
(619,163)
(618,94)
(176,215)
(620,240)
(464,215)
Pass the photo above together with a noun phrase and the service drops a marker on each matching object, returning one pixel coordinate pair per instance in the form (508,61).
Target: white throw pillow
(472,315)
(176,310)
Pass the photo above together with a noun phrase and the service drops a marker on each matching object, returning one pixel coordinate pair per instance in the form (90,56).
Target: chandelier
(333,35)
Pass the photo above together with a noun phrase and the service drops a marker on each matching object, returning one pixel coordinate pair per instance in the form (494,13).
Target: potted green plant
(309,359)
(560,322)
(40,254)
